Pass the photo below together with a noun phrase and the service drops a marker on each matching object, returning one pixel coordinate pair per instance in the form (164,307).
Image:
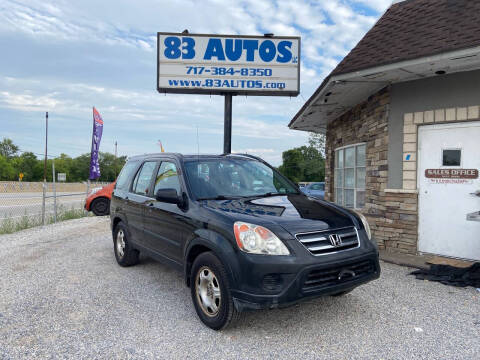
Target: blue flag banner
(96,137)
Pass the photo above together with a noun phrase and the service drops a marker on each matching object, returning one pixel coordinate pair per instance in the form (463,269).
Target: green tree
(76,169)
(80,168)
(7,171)
(7,148)
(27,164)
(292,166)
(64,164)
(305,163)
(108,170)
(317,141)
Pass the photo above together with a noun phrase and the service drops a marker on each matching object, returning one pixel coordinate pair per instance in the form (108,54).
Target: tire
(210,290)
(100,206)
(124,253)
(341,293)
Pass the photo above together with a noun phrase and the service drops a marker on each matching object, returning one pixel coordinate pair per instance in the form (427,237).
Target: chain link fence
(28,204)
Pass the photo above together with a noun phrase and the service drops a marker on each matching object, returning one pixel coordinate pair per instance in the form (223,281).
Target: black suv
(244,236)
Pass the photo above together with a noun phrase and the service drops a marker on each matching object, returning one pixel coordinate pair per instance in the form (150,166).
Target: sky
(66,56)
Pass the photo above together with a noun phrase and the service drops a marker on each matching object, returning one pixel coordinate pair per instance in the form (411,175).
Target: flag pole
(91,148)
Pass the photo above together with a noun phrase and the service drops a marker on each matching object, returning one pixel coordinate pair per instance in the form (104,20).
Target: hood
(295,213)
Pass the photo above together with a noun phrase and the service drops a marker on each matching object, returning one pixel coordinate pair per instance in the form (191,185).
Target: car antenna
(198,147)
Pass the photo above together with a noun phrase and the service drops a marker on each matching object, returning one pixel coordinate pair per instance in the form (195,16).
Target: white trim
(407,63)
(343,147)
(401,191)
(387,68)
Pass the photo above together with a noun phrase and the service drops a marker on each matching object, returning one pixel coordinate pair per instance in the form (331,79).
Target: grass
(10,225)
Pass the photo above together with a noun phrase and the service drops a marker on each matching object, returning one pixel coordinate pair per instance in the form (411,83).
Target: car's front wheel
(210,292)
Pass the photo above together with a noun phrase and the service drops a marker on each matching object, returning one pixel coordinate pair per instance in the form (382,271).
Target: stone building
(401,118)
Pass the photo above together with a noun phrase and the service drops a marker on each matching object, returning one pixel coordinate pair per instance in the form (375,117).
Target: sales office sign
(451,176)
(217,64)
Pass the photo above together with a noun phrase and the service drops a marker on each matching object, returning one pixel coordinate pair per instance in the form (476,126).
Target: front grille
(319,243)
(321,278)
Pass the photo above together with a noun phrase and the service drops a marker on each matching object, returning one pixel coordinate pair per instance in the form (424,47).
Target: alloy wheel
(207,289)
(120,243)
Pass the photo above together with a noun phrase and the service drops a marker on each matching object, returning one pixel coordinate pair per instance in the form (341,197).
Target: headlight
(255,239)
(365,225)
(94,190)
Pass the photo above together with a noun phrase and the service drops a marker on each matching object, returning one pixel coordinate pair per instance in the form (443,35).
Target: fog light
(272,282)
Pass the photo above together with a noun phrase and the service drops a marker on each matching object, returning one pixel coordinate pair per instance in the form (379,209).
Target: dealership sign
(220,64)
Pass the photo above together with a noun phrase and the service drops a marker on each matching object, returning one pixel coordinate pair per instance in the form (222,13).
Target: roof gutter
(332,80)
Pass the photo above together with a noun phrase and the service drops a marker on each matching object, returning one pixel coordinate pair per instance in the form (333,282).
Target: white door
(445,202)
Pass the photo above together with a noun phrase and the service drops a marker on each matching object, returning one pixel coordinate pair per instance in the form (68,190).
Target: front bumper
(284,284)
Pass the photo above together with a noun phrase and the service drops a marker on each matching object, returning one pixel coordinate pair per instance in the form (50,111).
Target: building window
(452,157)
(349,177)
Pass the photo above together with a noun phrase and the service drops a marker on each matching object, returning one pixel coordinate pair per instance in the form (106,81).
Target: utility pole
(115,161)
(45,169)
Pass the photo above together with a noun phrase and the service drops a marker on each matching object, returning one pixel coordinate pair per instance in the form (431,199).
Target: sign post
(227,125)
(228,65)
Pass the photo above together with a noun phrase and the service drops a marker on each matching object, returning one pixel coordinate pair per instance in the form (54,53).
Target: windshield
(233,178)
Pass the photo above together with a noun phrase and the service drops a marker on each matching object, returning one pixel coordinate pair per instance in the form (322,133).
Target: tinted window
(234,177)
(452,157)
(142,181)
(167,177)
(317,187)
(125,174)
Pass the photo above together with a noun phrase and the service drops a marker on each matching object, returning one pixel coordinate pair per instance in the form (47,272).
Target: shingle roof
(416,28)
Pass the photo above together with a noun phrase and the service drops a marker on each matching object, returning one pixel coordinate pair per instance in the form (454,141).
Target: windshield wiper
(219,197)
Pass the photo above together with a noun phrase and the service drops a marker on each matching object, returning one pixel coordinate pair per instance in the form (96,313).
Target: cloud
(253,151)
(65,57)
(378,5)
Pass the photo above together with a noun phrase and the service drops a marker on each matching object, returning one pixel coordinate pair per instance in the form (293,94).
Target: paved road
(14,205)
(63,296)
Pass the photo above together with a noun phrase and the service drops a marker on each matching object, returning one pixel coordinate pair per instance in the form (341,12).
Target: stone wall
(392,214)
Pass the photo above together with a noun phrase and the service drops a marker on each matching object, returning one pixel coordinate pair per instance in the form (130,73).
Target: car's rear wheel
(125,254)
(101,206)
(210,292)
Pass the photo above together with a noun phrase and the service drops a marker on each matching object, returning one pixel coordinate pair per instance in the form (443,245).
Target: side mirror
(169,196)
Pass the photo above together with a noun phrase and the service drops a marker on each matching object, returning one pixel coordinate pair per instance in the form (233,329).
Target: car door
(140,193)
(166,225)
(120,203)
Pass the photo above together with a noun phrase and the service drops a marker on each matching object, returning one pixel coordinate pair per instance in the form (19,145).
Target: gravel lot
(63,296)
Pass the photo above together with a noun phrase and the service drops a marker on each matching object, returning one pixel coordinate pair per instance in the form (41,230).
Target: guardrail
(24,205)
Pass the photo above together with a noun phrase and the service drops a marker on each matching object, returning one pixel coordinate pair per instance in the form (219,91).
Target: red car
(98,200)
